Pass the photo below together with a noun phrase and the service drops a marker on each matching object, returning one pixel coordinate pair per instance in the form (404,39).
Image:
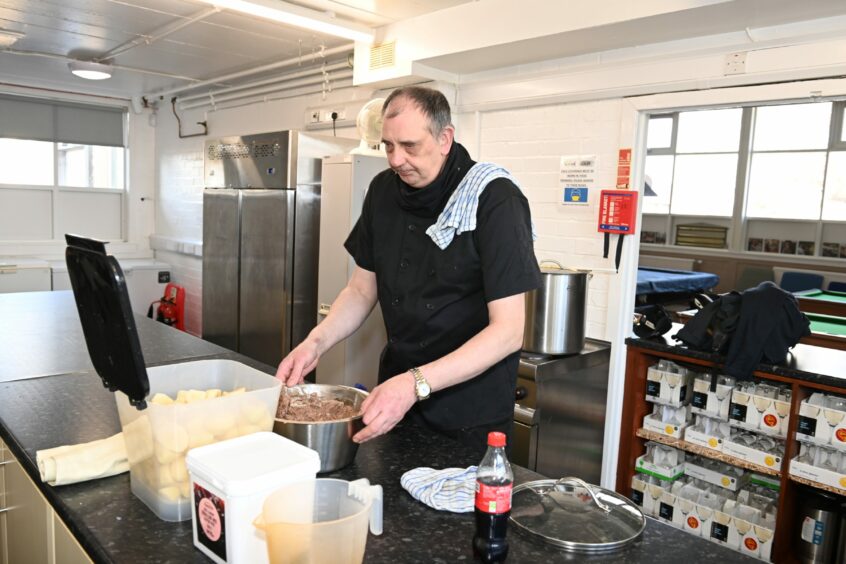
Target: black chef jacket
(434,300)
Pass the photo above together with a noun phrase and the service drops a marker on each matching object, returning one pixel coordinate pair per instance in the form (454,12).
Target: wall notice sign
(577,174)
(624,169)
(575,195)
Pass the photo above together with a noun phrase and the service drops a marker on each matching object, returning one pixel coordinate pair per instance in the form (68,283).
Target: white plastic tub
(158,437)
(230,481)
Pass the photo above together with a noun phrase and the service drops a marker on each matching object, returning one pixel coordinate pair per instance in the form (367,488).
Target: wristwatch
(421,386)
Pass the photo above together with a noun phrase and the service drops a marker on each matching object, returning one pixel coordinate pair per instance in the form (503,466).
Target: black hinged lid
(107,321)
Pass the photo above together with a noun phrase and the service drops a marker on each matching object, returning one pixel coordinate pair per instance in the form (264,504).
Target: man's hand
(386,405)
(298,363)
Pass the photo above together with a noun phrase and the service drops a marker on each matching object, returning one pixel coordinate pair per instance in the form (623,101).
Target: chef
(444,245)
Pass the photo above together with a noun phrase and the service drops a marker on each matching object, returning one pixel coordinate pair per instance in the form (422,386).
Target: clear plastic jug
(321,521)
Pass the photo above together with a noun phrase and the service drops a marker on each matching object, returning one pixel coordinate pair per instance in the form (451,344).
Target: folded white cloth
(459,214)
(450,489)
(78,463)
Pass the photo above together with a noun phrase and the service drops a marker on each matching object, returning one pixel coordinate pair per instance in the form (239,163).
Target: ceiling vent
(383,55)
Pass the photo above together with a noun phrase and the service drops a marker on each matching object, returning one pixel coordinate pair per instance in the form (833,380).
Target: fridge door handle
(323,309)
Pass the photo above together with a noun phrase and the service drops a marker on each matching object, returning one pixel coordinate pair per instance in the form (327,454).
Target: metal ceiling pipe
(158,33)
(342,85)
(255,70)
(259,91)
(277,79)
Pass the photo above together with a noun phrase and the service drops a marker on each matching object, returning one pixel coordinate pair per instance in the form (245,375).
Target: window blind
(61,122)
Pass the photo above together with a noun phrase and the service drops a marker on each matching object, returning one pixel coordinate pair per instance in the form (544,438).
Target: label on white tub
(211,520)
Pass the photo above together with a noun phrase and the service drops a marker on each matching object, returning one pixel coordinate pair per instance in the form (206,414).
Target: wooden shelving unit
(633,438)
(707,452)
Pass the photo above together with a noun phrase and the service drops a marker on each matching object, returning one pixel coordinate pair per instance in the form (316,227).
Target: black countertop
(40,335)
(112,525)
(810,363)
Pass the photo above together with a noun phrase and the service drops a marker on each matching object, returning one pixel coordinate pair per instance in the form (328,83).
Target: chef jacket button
(392,340)
(404,263)
(422,344)
(430,306)
(395,302)
(412,228)
(432,272)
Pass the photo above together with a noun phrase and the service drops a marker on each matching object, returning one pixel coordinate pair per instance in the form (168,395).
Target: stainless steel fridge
(261,212)
(345,181)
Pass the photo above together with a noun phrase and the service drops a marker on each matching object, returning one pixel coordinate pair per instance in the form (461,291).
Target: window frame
(739,221)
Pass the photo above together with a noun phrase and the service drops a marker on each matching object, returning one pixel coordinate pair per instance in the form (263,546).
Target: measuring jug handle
(361,490)
(376,510)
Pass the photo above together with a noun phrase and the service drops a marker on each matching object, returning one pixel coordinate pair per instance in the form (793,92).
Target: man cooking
(445,246)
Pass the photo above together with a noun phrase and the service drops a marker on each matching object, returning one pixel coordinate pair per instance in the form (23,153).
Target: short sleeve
(504,239)
(359,243)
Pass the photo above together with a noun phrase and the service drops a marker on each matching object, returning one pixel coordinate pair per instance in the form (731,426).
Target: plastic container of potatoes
(190,404)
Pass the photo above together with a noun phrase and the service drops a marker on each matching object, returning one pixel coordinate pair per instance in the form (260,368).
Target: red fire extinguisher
(171,310)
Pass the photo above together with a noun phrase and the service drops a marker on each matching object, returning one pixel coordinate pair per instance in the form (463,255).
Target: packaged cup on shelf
(668,420)
(712,398)
(821,464)
(834,415)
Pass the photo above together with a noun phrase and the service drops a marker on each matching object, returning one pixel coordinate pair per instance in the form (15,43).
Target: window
(90,166)
(692,162)
(734,166)
(62,169)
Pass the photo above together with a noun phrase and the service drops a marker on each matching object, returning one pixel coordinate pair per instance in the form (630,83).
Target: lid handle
(588,487)
(550,261)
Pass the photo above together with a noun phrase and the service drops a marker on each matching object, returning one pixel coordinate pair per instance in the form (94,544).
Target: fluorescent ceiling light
(90,70)
(7,38)
(290,14)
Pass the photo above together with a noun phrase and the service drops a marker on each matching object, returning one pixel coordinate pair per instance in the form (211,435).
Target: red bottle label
(493,499)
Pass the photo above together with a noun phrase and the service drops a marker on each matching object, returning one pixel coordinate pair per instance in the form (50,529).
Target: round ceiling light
(90,70)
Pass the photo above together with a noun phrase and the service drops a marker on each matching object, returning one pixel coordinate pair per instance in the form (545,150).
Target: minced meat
(312,407)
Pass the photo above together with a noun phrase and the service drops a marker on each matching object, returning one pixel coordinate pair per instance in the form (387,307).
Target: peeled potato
(220,425)
(165,455)
(170,493)
(174,438)
(213,393)
(196,395)
(248,429)
(235,392)
(200,438)
(254,412)
(182,396)
(163,475)
(178,470)
(161,399)
(185,489)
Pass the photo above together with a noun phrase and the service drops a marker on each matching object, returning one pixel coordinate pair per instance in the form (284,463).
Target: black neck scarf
(430,200)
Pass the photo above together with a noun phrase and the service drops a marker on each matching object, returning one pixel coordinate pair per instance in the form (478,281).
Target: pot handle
(555,262)
(558,265)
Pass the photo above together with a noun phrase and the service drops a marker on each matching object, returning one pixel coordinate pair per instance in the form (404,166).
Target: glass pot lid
(575,515)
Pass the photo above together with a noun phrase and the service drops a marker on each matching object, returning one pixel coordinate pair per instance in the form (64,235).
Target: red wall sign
(617,211)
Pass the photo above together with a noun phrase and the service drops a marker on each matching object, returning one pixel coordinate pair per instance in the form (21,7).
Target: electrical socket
(735,63)
(314,116)
(326,115)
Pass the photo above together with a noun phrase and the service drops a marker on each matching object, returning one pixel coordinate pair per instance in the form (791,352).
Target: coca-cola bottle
(494,480)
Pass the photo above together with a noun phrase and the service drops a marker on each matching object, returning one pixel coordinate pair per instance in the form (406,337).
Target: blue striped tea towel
(459,214)
(450,489)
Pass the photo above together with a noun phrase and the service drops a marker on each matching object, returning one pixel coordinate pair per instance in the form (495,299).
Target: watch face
(423,390)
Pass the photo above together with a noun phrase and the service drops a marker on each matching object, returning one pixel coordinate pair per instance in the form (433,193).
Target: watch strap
(421,386)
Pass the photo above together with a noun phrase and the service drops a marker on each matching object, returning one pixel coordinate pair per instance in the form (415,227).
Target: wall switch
(735,63)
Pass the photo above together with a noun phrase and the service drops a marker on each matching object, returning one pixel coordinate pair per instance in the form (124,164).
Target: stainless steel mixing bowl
(331,439)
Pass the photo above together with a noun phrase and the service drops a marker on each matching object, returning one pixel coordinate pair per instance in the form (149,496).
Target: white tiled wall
(530,143)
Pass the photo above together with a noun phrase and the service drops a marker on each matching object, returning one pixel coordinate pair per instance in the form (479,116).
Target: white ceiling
(222,43)
(218,44)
